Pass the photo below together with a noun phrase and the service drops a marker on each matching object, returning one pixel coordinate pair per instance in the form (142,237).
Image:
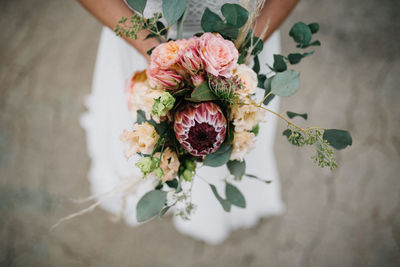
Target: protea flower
(200,128)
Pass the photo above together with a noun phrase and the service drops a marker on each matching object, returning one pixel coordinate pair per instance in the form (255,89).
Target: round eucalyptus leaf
(150,205)
(173,10)
(220,157)
(137,5)
(338,139)
(301,33)
(237,168)
(285,83)
(234,196)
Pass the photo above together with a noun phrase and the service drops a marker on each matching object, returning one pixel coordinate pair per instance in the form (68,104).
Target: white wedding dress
(108,115)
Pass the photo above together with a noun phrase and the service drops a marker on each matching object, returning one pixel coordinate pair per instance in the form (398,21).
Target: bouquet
(195,104)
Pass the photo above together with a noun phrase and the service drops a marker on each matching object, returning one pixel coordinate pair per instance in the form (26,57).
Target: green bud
(159,172)
(190,165)
(163,104)
(147,165)
(256,129)
(187,175)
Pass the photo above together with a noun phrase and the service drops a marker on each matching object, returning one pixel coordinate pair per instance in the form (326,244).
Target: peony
(243,142)
(200,128)
(140,95)
(169,164)
(166,54)
(246,115)
(166,78)
(248,78)
(219,55)
(142,139)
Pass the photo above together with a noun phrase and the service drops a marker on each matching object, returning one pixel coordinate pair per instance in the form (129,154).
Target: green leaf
(140,117)
(173,10)
(236,168)
(256,66)
(209,19)
(234,196)
(203,93)
(258,178)
(220,157)
(267,87)
(150,205)
(287,133)
(296,57)
(300,33)
(172,183)
(291,115)
(315,43)
(258,46)
(234,14)
(261,80)
(163,211)
(285,83)
(226,30)
(279,63)
(150,51)
(226,205)
(137,5)
(338,139)
(314,27)
(180,24)
(256,129)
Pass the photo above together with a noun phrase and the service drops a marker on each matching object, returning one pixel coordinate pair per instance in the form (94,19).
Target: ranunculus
(246,115)
(166,54)
(243,142)
(142,139)
(200,128)
(189,57)
(140,95)
(166,78)
(169,164)
(248,78)
(219,55)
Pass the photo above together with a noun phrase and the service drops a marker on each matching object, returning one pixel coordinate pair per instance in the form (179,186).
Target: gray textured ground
(349,217)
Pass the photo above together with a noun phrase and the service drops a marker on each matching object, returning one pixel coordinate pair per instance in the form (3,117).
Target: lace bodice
(195,10)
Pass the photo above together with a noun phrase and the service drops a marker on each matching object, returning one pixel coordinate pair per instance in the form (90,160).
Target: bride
(108,115)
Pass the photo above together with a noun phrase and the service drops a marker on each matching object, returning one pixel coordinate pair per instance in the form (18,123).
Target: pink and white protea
(166,78)
(200,128)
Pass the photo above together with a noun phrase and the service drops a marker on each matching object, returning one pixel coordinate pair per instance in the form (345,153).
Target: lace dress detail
(108,116)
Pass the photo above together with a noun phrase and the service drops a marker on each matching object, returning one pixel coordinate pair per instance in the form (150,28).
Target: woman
(108,115)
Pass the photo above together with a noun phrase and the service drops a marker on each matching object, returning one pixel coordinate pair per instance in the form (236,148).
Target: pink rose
(189,57)
(220,55)
(166,54)
(166,78)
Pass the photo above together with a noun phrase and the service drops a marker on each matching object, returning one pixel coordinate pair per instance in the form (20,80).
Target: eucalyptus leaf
(180,24)
(301,33)
(292,114)
(256,66)
(173,10)
(314,27)
(279,63)
(209,19)
(226,205)
(163,211)
(234,196)
(236,168)
(287,133)
(226,30)
(338,139)
(172,183)
(261,80)
(296,57)
(234,14)
(150,205)
(138,5)
(140,117)
(220,157)
(203,93)
(285,83)
(267,87)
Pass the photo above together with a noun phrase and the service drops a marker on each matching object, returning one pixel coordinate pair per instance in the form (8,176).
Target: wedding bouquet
(195,104)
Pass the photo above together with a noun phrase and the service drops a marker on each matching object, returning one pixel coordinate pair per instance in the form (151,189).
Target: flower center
(202,136)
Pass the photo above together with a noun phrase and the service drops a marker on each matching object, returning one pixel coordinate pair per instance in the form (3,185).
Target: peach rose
(243,143)
(219,55)
(142,139)
(166,54)
(248,78)
(169,164)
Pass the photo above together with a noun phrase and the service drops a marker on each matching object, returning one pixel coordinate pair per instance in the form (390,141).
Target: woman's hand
(109,12)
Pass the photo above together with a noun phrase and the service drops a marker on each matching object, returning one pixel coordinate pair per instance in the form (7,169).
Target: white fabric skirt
(108,115)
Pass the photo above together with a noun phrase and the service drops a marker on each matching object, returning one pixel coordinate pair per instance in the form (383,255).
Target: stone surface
(348,217)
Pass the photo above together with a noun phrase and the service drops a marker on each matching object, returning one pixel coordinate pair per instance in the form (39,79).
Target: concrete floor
(348,217)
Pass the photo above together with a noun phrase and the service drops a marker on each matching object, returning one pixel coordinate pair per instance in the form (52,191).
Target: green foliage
(338,139)
(292,114)
(234,196)
(163,104)
(173,10)
(225,88)
(234,14)
(257,178)
(150,205)
(202,93)
(137,5)
(220,157)
(172,183)
(256,66)
(267,87)
(236,168)
(140,116)
(295,58)
(181,21)
(314,27)
(279,63)
(130,28)
(285,83)
(148,165)
(163,211)
(161,127)
(209,19)
(226,205)
(301,33)
(256,129)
